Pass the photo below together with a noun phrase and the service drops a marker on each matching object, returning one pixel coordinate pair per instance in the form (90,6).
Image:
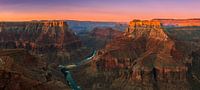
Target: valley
(145,55)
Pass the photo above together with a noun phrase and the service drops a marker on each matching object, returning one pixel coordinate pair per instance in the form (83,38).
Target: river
(68,76)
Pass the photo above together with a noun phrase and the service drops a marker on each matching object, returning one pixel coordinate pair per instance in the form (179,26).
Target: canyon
(30,53)
(144,57)
(158,54)
(37,35)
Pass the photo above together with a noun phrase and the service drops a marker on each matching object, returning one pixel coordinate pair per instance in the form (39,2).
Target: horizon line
(97,20)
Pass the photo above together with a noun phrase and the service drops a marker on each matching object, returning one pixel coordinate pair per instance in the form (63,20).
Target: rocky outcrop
(37,35)
(30,53)
(21,71)
(147,29)
(144,58)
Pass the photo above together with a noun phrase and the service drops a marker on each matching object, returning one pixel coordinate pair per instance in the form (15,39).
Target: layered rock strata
(37,35)
(21,71)
(144,58)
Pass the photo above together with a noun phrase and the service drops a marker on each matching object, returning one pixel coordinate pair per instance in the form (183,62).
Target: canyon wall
(37,35)
(20,70)
(144,58)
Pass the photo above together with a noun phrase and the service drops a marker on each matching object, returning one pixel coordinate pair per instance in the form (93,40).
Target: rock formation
(21,71)
(37,35)
(31,51)
(144,58)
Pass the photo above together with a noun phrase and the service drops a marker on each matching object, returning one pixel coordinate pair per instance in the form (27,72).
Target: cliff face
(147,29)
(30,53)
(21,71)
(37,35)
(144,58)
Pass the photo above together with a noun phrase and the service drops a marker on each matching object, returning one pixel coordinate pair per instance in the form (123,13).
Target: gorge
(148,55)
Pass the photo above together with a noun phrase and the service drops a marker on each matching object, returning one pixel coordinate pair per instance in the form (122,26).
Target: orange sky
(79,16)
(97,10)
(87,16)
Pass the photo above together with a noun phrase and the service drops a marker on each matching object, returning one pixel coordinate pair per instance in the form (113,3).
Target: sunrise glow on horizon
(97,10)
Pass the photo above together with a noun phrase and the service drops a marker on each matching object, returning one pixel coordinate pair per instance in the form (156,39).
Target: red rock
(39,35)
(144,56)
(21,71)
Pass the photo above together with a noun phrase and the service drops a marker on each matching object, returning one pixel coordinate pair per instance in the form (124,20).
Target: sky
(97,10)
